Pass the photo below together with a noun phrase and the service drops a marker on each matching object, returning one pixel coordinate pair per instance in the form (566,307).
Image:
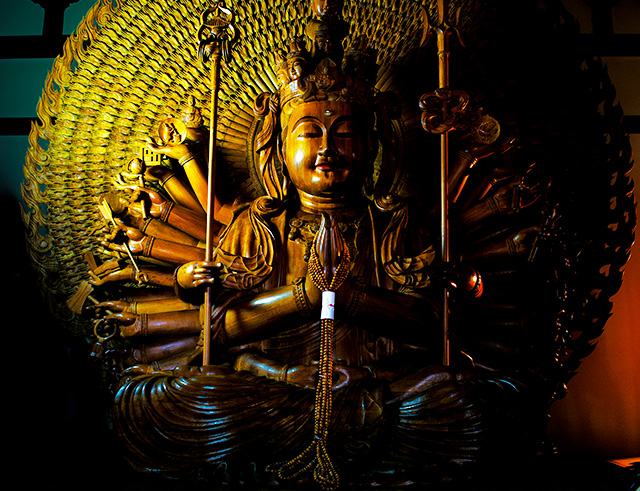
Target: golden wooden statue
(268,160)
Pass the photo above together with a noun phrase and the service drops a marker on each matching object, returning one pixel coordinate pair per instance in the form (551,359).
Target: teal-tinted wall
(22,79)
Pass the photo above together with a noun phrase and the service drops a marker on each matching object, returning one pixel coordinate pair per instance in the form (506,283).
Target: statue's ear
(372,154)
(373,144)
(280,153)
(388,144)
(267,143)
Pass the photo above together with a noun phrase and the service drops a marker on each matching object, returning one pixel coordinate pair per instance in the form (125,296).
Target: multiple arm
(283,307)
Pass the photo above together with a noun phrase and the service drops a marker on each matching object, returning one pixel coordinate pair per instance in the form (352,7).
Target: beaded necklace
(316,455)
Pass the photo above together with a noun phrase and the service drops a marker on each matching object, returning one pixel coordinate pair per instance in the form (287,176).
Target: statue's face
(295,69)
(325,148)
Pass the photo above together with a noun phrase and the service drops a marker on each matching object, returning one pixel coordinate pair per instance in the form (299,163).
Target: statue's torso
(354,344)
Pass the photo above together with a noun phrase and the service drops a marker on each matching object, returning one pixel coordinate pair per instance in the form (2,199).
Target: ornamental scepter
(443,111)
(215,36)
(440,109)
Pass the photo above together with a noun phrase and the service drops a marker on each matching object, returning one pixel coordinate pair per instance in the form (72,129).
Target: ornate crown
(314,67)
(324,71)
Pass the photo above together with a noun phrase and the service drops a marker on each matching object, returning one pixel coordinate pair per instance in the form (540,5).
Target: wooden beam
(31,46)
(53,15)
(15,126)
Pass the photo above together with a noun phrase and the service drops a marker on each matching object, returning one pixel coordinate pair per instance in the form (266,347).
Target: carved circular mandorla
(133,63)
(550,272)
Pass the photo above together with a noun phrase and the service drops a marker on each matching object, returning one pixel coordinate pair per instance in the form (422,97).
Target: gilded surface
(324,182)
(114,82)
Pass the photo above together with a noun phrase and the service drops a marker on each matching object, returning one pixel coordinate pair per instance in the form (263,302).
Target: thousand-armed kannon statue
(342,244)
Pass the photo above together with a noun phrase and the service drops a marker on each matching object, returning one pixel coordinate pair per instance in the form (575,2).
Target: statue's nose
(327,148)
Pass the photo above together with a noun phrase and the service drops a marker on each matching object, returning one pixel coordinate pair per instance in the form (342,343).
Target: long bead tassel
(317,453)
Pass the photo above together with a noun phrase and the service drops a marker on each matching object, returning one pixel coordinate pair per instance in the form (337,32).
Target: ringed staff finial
(217,32)
(216,36)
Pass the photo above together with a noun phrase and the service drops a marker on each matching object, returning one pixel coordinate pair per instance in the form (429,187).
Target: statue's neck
(334,205)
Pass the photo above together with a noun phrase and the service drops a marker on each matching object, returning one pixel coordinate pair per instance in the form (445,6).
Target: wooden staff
(215,36)
(439,117)
(443,83)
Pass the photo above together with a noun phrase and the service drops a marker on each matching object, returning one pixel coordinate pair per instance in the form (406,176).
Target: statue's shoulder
(406,249)
(247,248)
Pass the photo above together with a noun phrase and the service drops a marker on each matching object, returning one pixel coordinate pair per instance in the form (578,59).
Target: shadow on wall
(600,416)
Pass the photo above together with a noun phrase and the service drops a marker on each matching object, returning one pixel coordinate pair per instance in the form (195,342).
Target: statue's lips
(328,165)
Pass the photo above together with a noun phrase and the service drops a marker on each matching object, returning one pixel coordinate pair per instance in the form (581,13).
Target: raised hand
(178,151)
(172,140)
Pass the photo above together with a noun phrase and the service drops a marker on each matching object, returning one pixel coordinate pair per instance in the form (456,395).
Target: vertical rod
(53,23)
(213,123)
(444,241)
(443,83)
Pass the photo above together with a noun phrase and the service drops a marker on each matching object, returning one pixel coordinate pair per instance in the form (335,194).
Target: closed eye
(309,134)
(307,130)
(343,128)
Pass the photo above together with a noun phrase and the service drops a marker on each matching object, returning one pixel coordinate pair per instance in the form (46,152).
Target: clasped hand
(198,273)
